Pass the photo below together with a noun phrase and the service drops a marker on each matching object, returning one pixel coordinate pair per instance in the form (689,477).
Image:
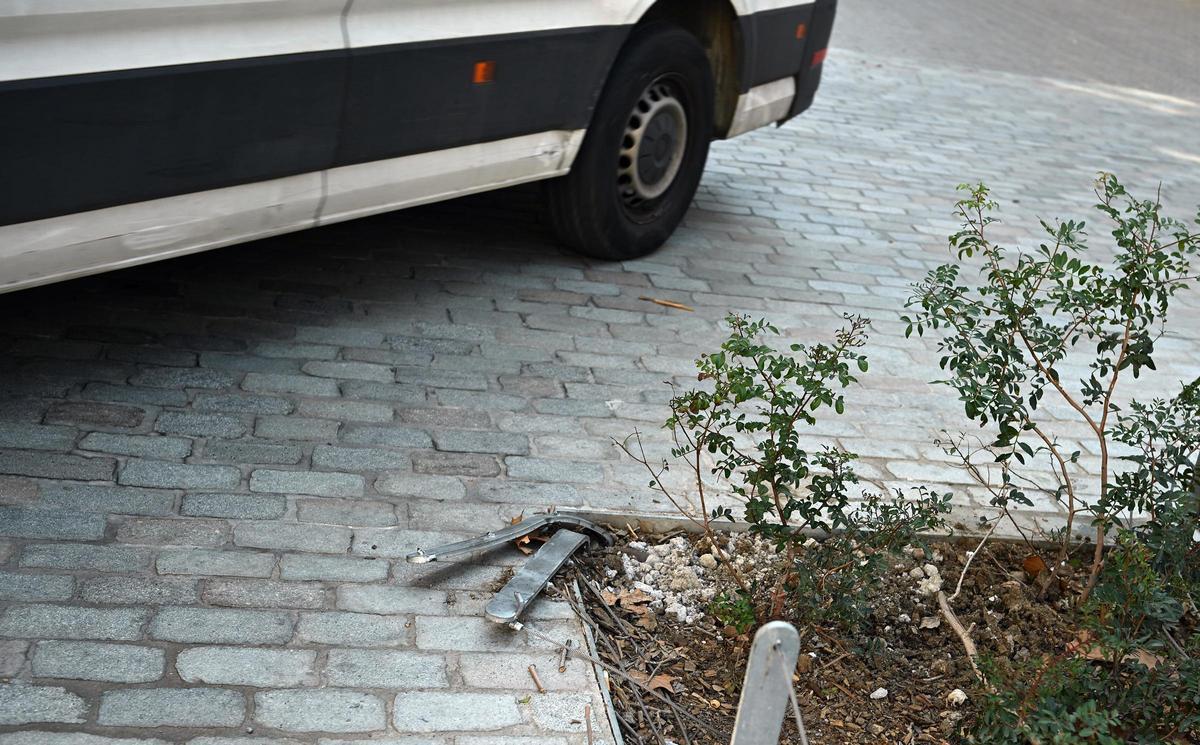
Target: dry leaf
(647,621)
(525,544)
(931,622)
(666,303)
(662,681)
(609,598)
(1088,651)
(1033,565)
(634,601)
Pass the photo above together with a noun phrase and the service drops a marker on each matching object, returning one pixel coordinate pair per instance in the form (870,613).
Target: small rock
(918,554)
(956,697)
(1014,596)
(708,561)
(904,618)
(917,573)
(879,693)
(931,622)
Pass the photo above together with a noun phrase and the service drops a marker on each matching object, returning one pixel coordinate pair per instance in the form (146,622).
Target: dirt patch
(900,677)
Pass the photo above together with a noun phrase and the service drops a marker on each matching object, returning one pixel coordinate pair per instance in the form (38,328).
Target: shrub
(1005,340)
(748,419)
(1132,676)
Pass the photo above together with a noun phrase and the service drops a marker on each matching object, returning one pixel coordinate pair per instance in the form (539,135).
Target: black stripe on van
(82,142)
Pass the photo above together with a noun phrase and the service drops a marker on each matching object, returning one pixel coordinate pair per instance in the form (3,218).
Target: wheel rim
(653,146)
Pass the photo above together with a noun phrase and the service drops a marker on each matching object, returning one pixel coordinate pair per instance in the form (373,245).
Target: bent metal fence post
(767,686)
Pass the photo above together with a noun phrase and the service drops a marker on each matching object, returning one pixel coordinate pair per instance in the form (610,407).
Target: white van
(136,130)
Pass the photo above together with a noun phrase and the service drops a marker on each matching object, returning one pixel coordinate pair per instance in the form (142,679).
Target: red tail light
(819,56)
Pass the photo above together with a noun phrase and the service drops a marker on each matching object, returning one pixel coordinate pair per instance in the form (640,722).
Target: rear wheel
(643,155)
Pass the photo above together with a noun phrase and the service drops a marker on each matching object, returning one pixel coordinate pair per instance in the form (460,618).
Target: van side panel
(84,142)
(411,98)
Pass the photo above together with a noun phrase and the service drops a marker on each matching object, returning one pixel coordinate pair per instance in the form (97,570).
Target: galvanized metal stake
(767,686)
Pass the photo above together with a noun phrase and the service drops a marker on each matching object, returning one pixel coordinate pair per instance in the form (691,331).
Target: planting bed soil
(901,676)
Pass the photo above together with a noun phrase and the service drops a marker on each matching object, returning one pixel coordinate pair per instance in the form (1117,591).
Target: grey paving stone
(481,400)
(246,451)
(236,506)
(320,711)
(248,363)
(277,383)
(35,587)
(173,532)
(93,413)
(178,475)
(20,522)
(438,711)
(151,355)
(296,428)
(518,740)
(402,394)
(346,410)
(199,425)
(241,666)
(372,668)
(501,670)
(24,704)
(421,485)
(221,626)
(397,740)
(421,376)
(12,657)
(334,458)
(247,740)
(445,417)
(113,663)
(396,437)
(346,512)
(332,568)
(455,464)
(71,622)
(298,351)
(317,484)
(35,437)
(118,500)
(544,469)
(250,593)
(49,465)
(40,737)
(292,537)
(563,712)
(465,635)
(140,396)
(349,371)
(468,441)
(140,590)
(339,336)
(139,446)
(221,563)
(182,377)
(231,403)
(391,599)
(18,490)
(94,558)
(352,629)
(171,707)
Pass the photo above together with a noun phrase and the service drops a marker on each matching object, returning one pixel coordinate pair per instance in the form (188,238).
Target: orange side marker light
(485,72)
(801,30)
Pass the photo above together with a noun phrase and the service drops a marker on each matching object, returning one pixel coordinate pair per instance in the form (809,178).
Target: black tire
(592,212)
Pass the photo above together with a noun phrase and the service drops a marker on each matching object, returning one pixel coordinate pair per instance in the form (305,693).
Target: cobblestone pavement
(212,464)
